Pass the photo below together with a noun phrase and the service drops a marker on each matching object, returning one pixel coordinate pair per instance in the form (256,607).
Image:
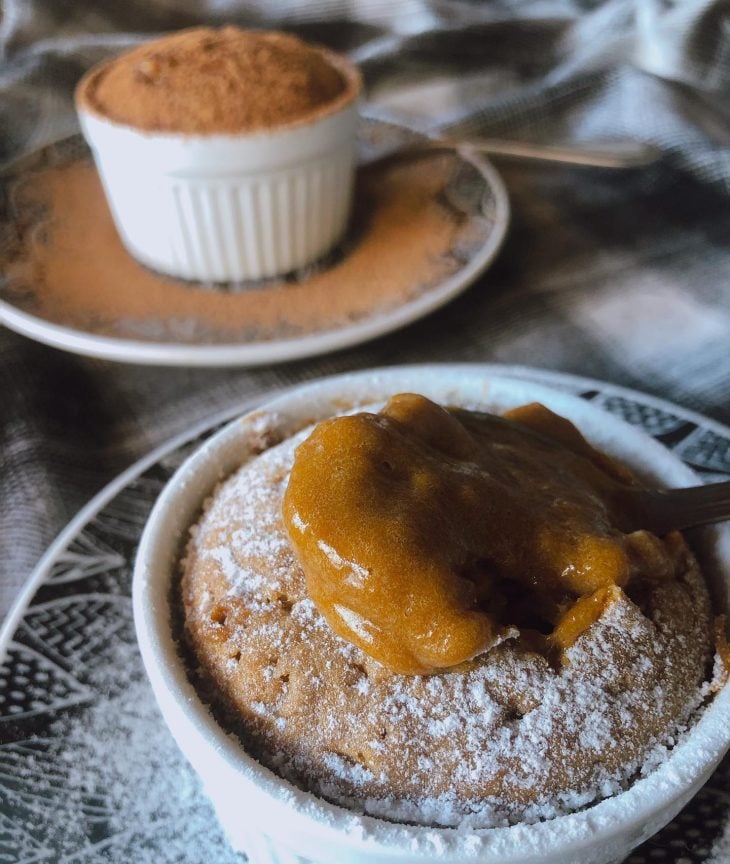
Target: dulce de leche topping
(428,536)
(205,81)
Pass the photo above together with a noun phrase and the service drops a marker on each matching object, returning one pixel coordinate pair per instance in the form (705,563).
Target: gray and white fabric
(619,276)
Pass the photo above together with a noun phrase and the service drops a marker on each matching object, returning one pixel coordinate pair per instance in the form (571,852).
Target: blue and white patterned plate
(89,773)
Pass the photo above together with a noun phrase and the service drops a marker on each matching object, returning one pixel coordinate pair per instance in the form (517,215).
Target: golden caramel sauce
(428,536)
(584,612)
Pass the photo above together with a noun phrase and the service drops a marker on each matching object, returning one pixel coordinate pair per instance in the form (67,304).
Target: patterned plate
(89,773)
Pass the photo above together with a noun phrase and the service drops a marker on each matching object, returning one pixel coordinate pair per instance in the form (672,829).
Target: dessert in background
(225,154)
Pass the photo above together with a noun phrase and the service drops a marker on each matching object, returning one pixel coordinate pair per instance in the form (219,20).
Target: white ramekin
(273,822)
(229,207)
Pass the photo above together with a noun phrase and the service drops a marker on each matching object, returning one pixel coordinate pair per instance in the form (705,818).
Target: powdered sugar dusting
(108,782)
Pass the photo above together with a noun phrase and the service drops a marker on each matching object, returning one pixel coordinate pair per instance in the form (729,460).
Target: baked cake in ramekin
(513,757)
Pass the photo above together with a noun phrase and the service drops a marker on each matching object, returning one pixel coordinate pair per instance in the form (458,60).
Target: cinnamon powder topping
(227,80)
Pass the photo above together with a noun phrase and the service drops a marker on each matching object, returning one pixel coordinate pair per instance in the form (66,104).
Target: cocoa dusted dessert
(207,81)
(443,616)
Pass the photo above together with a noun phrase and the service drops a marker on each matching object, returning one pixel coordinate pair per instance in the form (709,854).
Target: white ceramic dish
(229,207)
(293,826)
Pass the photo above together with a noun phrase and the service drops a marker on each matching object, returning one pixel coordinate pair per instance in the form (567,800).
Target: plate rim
(277,350)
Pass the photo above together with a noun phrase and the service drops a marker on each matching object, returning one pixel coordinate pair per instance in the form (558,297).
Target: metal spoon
(662,510)
(598,154)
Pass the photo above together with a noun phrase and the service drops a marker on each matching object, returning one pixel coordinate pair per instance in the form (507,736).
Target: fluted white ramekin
(273,822)
(229,207)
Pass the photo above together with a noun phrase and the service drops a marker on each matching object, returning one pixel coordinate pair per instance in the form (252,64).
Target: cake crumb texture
(509,737)
(206,80)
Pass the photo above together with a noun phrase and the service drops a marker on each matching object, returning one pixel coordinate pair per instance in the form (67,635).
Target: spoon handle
(666,509)
(597,154)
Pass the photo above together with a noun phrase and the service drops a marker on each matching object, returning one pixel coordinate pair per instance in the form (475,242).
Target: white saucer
(481,198)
